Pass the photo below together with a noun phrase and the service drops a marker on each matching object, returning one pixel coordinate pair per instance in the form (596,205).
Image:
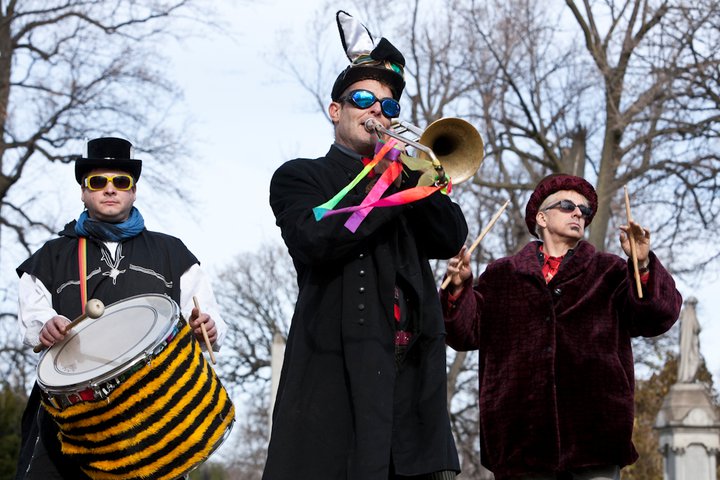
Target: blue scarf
(112,232)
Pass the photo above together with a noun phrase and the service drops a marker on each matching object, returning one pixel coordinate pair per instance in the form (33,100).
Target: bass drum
(132,393)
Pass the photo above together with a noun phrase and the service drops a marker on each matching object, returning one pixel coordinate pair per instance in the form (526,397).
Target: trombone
(453,146)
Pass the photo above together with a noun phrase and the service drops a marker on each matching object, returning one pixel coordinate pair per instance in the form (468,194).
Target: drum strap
(82,269)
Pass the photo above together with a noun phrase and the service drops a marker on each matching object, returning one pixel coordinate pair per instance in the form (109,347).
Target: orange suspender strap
(82,269)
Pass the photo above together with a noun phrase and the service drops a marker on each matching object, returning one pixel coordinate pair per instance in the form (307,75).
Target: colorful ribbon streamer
(388,177)
(373,198)
(321,210)
(400,198)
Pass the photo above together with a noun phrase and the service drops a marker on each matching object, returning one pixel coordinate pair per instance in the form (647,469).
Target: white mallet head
(94,308)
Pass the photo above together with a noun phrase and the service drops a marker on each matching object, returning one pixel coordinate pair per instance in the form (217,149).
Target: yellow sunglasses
(121,182)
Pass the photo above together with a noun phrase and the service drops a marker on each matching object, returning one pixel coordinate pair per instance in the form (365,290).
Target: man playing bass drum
(123,259)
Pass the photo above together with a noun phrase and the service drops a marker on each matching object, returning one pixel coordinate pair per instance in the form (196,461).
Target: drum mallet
(204,332)
(478,239)
(94,308)
(633,248)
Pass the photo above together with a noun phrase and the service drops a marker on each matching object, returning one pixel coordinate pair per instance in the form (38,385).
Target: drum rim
(100,379)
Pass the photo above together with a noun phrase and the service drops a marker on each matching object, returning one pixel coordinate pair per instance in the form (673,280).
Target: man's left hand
(642,242)
(197,319)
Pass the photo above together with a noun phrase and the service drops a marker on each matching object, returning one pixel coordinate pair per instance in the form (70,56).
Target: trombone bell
(458,146)
(451,144)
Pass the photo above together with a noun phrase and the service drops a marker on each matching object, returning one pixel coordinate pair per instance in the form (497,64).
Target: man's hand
(458,269)
(642,242)
(197,319)
(385,163)
(54,330)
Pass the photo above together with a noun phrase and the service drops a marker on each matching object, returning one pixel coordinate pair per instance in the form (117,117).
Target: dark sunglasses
(365,99)
(120,182)
(569,207)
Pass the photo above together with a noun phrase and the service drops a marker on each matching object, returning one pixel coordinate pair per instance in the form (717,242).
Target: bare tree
(72,70)
(257,295)
(463,393)
(17,361)
(249,443)
(617,92)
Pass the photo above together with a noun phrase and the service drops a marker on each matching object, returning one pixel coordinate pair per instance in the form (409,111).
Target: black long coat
(342,410)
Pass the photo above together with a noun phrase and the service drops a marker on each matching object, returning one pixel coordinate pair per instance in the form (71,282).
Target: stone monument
(689,343)
(688,422)
(276,361)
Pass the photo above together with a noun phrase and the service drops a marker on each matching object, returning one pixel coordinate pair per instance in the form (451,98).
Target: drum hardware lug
(107,389)
(97,391)
(104,390)
(54,402)
(148,357)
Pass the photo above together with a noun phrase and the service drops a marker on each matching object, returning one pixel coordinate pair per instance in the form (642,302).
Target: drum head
(97,349)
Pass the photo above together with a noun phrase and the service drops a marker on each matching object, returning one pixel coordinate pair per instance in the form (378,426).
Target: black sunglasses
(569,207)
(365,99)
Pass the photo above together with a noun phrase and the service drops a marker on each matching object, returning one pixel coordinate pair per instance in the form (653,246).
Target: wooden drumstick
(479,239)
(633,251)
(94,308)
(204,332)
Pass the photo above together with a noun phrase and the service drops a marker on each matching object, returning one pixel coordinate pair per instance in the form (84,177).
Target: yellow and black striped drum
(132,393)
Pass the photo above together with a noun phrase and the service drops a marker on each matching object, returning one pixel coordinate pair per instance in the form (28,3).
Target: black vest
(150,262)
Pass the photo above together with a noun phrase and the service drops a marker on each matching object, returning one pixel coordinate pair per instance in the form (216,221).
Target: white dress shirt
(35,303)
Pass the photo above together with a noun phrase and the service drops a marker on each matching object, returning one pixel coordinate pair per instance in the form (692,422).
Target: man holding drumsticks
(362,394)
(553,325)
(121,259)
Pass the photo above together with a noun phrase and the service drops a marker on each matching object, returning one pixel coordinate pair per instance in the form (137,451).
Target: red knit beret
(555,183)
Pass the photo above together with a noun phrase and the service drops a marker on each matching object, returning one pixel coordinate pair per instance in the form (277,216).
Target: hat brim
(356,74)
(85,165)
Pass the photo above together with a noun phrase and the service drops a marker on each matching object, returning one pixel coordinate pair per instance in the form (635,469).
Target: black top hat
(108,152)
(383,62)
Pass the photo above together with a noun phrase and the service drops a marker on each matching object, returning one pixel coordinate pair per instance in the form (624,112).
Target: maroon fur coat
(556,366)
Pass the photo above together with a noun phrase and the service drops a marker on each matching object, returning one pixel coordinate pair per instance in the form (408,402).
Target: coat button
(361,290)
(361,321)
(362,255)
(361,273)
(361,307)
(557,292)
(547,318)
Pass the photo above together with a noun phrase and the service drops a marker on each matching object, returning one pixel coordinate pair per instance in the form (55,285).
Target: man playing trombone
(362,394)
(553,325)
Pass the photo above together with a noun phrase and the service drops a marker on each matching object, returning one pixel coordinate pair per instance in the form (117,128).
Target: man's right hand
(383,165)
(458,269)
(54,330)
